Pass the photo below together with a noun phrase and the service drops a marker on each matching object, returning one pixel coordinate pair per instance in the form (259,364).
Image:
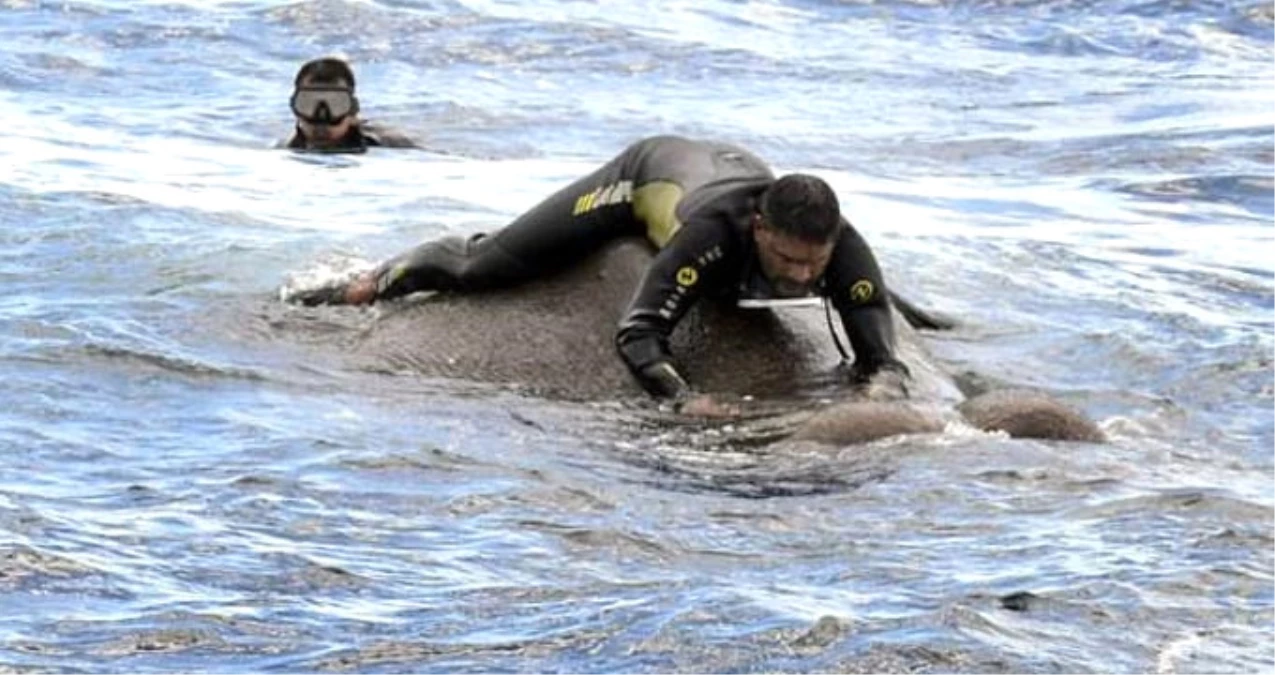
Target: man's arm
(858,291)
(678,276)
(386,137)
(871,332)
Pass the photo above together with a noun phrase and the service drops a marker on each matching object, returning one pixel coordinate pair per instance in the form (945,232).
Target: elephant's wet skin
(863,421)
(555,337)
(1028,414)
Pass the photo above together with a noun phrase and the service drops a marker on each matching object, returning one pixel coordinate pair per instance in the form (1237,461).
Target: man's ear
(758,223)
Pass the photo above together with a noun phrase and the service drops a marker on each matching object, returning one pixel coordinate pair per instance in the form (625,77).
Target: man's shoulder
(708,242)
(377,134)
(848,234)
(293,141)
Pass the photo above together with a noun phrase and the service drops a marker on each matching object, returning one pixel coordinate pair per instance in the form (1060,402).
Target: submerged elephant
(555,337)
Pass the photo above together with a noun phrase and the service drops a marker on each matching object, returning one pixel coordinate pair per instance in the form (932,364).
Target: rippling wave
(199,478)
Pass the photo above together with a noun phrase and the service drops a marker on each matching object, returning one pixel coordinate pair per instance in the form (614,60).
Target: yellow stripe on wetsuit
(654,205)
(615,193)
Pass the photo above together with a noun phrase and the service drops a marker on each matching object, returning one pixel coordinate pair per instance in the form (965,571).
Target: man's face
(325,112)
(791,264)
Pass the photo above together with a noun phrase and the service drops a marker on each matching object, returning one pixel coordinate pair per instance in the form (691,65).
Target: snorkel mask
(324,105)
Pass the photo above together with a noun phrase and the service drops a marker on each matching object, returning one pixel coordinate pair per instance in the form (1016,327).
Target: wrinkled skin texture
(555,337)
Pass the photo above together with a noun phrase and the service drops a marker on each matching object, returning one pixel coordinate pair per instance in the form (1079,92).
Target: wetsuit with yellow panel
(694,200)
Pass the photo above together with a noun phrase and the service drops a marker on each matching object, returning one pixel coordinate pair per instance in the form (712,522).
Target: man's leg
(562,229)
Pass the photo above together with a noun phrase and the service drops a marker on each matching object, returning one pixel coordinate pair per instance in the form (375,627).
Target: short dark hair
(326,70)
(803,206)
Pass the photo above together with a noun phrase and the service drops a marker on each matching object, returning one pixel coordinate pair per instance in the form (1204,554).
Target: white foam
(327,272)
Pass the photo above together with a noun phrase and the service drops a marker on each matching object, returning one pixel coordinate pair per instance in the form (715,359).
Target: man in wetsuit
(327,112)
(724,225)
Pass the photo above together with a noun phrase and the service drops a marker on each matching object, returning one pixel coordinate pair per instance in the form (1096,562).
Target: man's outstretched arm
(871,332)
(676,278)
(857,289)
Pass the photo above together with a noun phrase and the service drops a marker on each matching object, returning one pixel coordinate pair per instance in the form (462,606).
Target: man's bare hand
(704,405)
(361,290)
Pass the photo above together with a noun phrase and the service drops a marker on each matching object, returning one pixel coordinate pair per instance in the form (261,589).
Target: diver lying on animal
(724,225)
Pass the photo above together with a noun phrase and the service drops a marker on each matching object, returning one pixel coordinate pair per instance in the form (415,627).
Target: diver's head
(795,229)
(324,103)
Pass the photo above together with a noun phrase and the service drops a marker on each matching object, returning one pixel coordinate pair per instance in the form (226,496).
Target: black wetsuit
(362,136)
(694,200)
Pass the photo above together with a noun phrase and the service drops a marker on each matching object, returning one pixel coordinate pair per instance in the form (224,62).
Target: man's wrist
(864,371)
(897,366)
(679,400)
(663,380)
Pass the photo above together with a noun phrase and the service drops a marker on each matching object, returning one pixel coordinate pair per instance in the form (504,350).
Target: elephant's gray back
(555,336)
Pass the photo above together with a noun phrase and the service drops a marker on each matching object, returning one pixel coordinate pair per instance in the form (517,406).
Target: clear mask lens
(323,105)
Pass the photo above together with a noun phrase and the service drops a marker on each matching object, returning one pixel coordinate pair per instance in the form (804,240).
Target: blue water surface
(190,483)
